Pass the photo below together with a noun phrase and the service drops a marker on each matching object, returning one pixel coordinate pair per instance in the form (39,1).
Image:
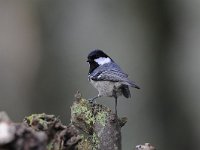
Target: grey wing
(111,75)
(110,72)
(115,75)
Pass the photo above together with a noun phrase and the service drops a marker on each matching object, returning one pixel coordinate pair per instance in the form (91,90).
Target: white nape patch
(102,60)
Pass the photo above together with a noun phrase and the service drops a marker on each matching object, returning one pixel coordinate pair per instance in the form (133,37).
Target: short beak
(89,60)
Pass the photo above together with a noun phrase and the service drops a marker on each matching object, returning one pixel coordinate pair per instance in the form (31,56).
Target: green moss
(50,146)
(32,117)
(85,144)
(29,119)
(95,141)
(40,121)
(101,118)
(83,110)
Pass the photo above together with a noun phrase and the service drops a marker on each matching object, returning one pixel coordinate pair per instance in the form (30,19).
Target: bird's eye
(89,60)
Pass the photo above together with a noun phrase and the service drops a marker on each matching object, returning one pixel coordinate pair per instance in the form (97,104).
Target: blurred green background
(43,50)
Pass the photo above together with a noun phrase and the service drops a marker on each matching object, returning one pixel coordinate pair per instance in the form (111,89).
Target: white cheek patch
(102,60)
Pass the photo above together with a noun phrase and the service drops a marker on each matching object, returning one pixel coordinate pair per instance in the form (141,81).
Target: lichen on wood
(37,132)
(92,127)
(101,128)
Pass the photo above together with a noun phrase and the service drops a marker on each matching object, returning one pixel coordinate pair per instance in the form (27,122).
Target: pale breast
(107,88)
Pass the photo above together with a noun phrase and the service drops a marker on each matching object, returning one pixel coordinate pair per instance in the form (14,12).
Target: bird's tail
(132,84)
(125,91)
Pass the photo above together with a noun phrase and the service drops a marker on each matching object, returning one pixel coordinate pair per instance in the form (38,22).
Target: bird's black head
(95,54)
(96,58)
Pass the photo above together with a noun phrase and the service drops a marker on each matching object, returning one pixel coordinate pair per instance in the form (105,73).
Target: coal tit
(107,77)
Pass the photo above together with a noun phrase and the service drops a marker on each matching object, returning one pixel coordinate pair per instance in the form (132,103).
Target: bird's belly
(107,88)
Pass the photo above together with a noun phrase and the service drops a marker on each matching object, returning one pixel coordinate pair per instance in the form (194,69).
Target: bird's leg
(116,105)
(115,96)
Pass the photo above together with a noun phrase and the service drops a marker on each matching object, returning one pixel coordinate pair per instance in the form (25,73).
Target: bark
(92,127)
(101,128)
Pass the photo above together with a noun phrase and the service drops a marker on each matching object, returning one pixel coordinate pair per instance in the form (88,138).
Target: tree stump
(100,127)
(92,127)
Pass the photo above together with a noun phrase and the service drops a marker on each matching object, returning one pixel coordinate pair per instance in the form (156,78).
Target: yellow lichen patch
(50,146)
(101,118)
(83,111)
(40,121)
(95,141)
(85,144)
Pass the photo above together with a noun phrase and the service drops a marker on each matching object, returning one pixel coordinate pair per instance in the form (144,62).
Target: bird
(107,77)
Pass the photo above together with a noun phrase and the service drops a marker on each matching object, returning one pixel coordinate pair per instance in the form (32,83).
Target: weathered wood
(92,127)
(98,123)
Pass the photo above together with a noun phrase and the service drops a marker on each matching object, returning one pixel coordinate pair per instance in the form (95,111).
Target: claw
(92,100)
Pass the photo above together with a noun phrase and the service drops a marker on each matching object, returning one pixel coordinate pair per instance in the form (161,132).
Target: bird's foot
(93,100)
